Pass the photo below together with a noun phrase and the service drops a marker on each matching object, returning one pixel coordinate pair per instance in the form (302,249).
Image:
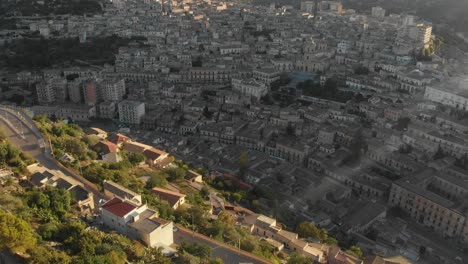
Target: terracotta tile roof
(135,147)
(118,207)
(153,153)
(106,147)
(118,138)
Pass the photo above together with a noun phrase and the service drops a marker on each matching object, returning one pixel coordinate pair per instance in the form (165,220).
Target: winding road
(22,132)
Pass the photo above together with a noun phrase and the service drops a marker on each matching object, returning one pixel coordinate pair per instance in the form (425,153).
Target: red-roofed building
(155,157)
(108,151)
(118,139)
(137,222)
(116,213)
(174,199)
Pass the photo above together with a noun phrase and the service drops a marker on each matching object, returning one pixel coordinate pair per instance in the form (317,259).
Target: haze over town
(247,131)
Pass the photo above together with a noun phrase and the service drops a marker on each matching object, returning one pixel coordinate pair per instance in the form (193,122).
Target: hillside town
(354,122)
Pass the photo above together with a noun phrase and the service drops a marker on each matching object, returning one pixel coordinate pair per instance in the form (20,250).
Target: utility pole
(21,129)
(51,149)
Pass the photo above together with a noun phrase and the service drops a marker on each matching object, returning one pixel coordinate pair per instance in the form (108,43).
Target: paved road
(28,143)
(228,254)
(25,135)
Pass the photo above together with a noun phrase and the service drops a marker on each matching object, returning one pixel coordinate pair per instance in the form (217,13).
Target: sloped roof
(118,207)
(167,195)
(118,138)
(63,184)
(153,153)
(120,191)
(135,147)
(79,193)
(106,147)
(37,178)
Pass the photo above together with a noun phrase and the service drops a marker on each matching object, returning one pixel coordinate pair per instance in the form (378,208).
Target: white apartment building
(112,90)
(378,12)
(266,75)
(131,112)
(226,50)
(249,87)
(454,94)
(45,93)
(137,222)
(421,33)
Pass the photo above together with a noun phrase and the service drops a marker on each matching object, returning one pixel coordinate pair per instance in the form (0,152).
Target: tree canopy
(15,233)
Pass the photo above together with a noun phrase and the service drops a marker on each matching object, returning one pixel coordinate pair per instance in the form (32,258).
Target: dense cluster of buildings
(216,80)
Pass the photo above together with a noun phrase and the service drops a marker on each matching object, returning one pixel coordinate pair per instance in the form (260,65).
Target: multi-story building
(378,12)
(435,200)
(207,75)
(266,75)
(112,89)
(137,222)
(45,93)
(52,90)
(421,33)
(107,110)
(76,112)
(131,112)
(59,86)
(291,151)
(453,94)
(90,93)
(250,88)
(75,93)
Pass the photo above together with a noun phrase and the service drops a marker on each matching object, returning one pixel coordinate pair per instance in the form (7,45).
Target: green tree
(176,174)
(355,251)
(57,131)
(187,258)
(296,258)
(48,231)
(136,158)
(307,229)
(42,255)
(75,146)
(15,233)
(11,203)
(196,249)
(156,179)
(249,245)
